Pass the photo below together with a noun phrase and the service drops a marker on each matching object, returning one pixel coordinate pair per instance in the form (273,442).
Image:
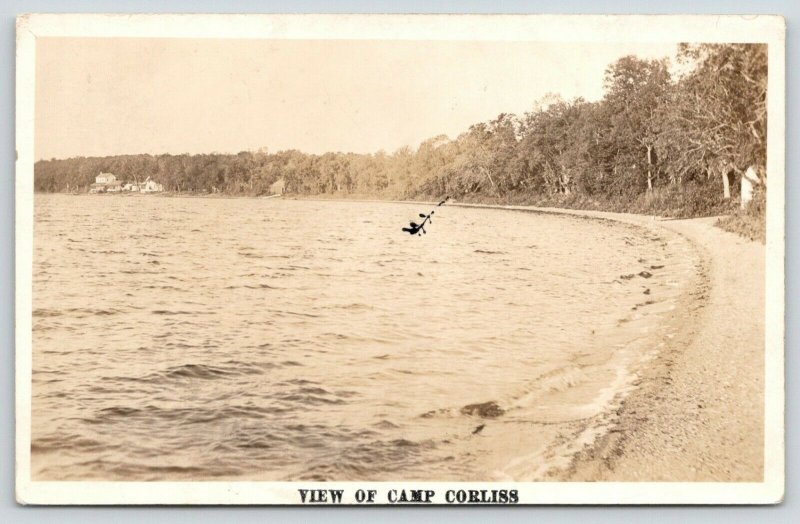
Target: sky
(109,96)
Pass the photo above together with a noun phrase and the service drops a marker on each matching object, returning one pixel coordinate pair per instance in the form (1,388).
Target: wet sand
(697,411)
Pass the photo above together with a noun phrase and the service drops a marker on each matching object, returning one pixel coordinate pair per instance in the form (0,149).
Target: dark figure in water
(414,228)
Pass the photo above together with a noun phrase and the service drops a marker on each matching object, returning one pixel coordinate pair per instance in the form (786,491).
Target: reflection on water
(178,338)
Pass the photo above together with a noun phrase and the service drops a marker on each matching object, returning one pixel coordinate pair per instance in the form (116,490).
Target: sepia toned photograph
(439,259)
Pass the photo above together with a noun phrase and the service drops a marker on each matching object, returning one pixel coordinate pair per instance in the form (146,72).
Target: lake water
(210,338)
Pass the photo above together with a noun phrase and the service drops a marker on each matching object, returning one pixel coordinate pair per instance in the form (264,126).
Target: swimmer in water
(414,228)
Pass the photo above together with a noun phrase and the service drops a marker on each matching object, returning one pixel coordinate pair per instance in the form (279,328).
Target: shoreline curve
(697,412)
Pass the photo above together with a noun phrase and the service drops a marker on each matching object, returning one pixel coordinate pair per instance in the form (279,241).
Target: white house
(108,183)
(151,186)
(105,178)
(105,183)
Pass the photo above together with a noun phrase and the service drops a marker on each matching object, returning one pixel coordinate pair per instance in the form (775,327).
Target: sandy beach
(697,412)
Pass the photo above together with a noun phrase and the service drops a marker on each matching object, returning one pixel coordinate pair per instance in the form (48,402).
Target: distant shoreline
(356,197)
(742,223)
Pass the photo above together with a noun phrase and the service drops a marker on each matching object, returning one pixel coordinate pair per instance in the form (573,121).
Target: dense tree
(650,139)
(715,118)
(634,90)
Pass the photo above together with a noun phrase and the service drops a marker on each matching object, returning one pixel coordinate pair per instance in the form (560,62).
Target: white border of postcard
(545,28)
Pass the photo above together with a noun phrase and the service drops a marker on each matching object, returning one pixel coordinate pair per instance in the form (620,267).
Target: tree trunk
(749,180)
(564,181)
(491,181)
(726,184)
(649,168)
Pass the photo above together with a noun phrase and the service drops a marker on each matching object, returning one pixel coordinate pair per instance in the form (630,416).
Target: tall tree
(634,90)
(716,118)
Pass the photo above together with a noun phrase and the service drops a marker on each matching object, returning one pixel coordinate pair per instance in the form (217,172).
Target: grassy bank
(672,202)
(749,222)
(689,201)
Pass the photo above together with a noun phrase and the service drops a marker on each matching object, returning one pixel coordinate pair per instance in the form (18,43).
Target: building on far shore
(151,186)
(105,183)
(108,183)
(105,178)
(278,187)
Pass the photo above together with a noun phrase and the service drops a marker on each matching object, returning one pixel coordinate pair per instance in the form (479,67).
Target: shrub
(750,222)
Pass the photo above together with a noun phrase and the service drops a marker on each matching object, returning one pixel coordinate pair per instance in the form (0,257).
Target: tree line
(675,143)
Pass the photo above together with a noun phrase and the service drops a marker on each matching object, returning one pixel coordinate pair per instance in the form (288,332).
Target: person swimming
(414,228)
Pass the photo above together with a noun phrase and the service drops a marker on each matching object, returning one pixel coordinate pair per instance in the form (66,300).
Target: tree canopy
(653,133)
